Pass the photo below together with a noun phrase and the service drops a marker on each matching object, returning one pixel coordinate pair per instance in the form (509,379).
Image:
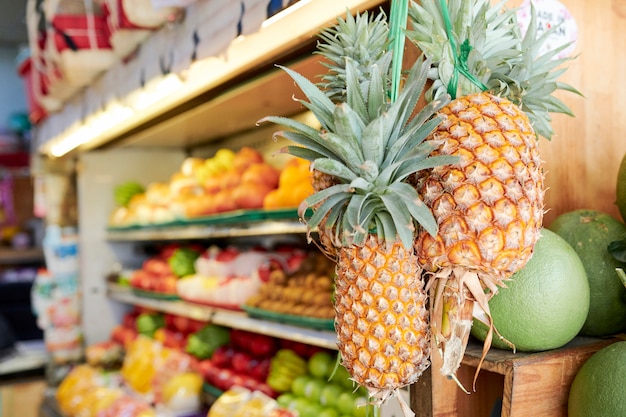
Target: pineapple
(488,206)
(369,145)
(364,40)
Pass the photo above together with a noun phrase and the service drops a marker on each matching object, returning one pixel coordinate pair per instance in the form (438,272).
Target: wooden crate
(522,384)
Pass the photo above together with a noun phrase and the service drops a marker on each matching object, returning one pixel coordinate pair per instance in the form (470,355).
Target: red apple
(223,356)
(157,267)
(261,370)
(243,363)
(227,254)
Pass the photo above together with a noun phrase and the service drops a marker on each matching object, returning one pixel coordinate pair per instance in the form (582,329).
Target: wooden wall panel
(582,159)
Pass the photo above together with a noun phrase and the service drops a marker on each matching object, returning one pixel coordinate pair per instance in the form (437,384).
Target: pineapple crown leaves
(504,62)
(362,39)
(370,149)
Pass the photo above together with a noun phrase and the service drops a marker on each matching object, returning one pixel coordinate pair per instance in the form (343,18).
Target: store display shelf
(228,318)
(10,256)
(186,232)
(26,356)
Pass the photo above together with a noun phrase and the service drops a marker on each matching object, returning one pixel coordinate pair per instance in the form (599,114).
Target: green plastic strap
(397,25)
(460,56)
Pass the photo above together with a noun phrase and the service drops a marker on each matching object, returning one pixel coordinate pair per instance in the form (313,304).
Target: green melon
(545,304)
(621,188)
(589,232)
(598,389)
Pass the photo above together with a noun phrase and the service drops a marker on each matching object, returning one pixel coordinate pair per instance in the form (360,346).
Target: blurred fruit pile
(324,390)
(244,362)
(241,402)
(307,291)
(225,182)
(160,273)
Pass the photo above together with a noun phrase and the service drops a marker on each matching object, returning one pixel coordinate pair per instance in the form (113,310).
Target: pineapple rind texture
(489,206)
(381,315)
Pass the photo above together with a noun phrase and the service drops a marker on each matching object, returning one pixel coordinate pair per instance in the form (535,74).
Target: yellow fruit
(545,304)
(381,315)
(187,384)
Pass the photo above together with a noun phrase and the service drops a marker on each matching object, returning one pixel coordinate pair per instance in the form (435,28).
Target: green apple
(285,399)
(329,395)
(346,403)
(328,412)
(321,364)
(313,389)
(298,385)
(311,410)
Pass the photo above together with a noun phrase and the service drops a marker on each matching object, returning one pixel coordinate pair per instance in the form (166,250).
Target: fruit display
(307,291)
(590,232)
(160,273)
(454,188)
(544,304)
(227,277)
(244,362)
(88,392)
(223,183)
(241,402)
(285,367)
(294,185)
(324,389)
(598,388)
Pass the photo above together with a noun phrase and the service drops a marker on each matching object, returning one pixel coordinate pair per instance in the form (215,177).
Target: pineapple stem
(397,25)
(460,56)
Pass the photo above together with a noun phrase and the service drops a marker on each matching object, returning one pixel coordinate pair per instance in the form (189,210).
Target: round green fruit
(621,188)
(598,389)
(313,389)
(589,232)
(346,403)
(545,304)
(329,412)
(285,399)
(298,386)
(329,395)
(321,364)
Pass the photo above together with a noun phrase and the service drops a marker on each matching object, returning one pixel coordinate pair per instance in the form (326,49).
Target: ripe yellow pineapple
(488,206)
(369,145)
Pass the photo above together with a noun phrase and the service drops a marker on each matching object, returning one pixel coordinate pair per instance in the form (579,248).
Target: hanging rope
(460,56)
(397,25)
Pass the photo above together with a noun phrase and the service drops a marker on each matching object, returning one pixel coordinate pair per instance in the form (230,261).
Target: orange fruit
(545,304)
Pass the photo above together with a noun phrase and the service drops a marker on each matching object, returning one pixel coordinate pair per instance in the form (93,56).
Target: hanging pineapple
(369,143)
(488,206)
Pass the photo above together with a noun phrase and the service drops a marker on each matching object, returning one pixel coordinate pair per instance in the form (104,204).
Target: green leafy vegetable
(148,323)
(205,341)
(183,261)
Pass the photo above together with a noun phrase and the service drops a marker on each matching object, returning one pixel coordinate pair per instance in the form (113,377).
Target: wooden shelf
(520,384)
(227,318)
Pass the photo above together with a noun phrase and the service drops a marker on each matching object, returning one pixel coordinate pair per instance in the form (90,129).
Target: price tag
(551,13)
